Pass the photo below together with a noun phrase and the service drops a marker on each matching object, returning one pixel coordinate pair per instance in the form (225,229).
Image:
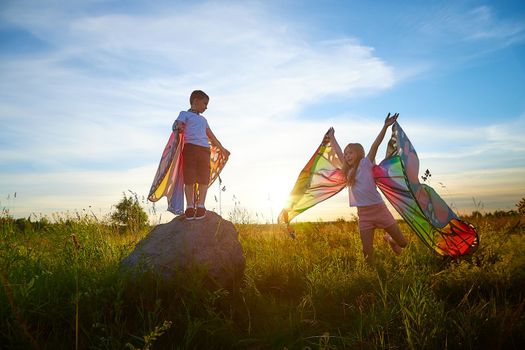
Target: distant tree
(129,213)
(23,225)
(521,206)
(476,214)
(502,213)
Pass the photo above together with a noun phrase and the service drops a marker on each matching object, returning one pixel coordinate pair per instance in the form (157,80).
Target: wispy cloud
(110,86)
(455,22)
(482,23)
(90,112)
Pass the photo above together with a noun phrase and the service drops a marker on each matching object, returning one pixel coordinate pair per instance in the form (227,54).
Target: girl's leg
(367,239)
(396,239)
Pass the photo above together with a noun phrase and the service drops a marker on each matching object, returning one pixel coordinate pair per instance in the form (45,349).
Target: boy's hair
(198,95)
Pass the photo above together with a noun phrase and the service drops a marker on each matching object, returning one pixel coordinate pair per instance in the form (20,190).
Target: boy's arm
(180,123)
(373,149)
(179,126)
(216,142)
(335,145)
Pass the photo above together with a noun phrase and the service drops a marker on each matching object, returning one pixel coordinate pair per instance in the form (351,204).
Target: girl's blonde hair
(351,169)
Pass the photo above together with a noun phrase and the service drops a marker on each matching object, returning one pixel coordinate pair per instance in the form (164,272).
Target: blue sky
(89,91)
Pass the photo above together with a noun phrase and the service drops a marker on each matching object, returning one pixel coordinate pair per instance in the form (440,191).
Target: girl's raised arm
(373,149)
(335,145)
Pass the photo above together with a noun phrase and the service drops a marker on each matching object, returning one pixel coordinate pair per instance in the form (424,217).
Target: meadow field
(62,289)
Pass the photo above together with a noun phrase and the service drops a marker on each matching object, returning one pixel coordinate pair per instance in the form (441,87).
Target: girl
(371,210)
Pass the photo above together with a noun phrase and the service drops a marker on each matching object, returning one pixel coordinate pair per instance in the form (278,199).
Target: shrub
(521,206)
(130,214)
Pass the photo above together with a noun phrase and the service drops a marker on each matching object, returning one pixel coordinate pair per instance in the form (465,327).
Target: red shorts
(196,164)
(374,216)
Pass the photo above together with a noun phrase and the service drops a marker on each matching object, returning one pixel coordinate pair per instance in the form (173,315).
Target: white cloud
(111,85)
(108,87)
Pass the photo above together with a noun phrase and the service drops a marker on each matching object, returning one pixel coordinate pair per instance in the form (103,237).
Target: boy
(196,153)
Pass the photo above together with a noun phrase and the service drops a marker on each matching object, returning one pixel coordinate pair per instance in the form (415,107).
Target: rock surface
(181,245)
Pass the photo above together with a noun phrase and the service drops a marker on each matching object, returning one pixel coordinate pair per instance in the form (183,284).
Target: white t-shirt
(364,191)
(195,130)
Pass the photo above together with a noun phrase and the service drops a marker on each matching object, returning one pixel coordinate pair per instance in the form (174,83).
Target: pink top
(364,191)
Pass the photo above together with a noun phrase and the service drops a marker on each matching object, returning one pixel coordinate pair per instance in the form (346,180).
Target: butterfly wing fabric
(320,179)
(421,207)
(217,161)
(169,180)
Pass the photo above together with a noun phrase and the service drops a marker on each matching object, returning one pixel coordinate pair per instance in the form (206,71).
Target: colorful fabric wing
(422,208)
(217,162)
(169,181)
(319,180)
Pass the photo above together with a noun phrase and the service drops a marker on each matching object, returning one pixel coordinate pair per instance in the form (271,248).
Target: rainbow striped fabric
(421,207)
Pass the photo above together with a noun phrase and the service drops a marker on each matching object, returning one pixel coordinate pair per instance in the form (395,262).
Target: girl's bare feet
(395,247)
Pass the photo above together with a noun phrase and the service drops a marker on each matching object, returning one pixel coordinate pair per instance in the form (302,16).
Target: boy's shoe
(190,213)
(200,213)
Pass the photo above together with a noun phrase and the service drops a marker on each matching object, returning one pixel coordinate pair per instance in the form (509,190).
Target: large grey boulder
(210,245)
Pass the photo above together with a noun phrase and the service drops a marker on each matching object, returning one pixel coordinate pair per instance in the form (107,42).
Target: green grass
(314,292)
